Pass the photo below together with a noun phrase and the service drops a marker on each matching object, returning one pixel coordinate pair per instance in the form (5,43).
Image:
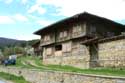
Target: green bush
(13,78)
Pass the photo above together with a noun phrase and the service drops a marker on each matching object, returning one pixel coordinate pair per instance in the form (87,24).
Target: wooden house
(74,41)
(37,49)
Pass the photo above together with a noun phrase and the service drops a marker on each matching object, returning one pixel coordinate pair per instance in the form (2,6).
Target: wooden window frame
(58,47)
(63,34)
(47,38)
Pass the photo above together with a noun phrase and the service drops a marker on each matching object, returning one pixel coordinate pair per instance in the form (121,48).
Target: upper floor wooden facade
(64,34)
(81,25)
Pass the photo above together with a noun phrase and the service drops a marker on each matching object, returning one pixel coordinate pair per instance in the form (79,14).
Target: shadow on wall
(93,49)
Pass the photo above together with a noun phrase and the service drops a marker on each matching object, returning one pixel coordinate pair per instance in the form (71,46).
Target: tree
(13,50)
(1,54)
(7,51)
(19,50)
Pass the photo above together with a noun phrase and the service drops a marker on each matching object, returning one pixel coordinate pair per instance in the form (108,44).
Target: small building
(29,51)
(13,57)
(37,49)
(77,41)
(1,56)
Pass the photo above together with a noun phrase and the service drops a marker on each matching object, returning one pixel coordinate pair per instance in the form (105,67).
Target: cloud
(13,19)
(37,8)
(24,1)
(8,1)
(44,22)
(112,9)
(121,21)
(26,37)
(33,17)
(6,20)
(20,17)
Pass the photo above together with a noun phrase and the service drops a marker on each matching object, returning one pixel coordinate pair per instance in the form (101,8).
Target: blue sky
(20,18)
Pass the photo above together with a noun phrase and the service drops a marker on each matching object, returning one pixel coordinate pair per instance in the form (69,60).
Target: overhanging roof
(36,44)
(77,18)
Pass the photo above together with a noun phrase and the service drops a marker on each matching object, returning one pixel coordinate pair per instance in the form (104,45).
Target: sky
(19,19)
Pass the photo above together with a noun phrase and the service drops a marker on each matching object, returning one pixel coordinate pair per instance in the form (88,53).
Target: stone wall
(76,61)
(77,57)
(35,76)
(112,53)
(104,54)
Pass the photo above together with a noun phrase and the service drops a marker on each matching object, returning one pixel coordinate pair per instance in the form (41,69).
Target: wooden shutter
(67,47)
(48,51)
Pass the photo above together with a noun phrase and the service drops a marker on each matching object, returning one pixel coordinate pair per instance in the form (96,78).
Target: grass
(96,71)
(21,60)
(39,65)
(13,78)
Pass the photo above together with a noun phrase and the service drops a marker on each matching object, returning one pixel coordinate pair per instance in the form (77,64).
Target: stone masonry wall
(78,57)
(109,54)
(35,76)
(112,54)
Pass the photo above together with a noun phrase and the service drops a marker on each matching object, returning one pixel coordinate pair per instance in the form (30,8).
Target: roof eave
(76,16)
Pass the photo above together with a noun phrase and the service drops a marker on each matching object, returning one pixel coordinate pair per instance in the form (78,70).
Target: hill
(10,42)
(13,42)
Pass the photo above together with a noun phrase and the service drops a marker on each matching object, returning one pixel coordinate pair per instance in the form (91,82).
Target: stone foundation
(35,76)
(105,54)
(112,54)
(76,61)
(78,57)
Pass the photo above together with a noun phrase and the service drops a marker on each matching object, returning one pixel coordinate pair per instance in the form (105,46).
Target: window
(63,34)
(48,51)
(46,38)
(58,47)
(122,33)
(67,47)
(92,29)
(74,30)
(110,34)
(77,28)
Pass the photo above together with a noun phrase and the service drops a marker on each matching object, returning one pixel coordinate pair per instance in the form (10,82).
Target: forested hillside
(6,42)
